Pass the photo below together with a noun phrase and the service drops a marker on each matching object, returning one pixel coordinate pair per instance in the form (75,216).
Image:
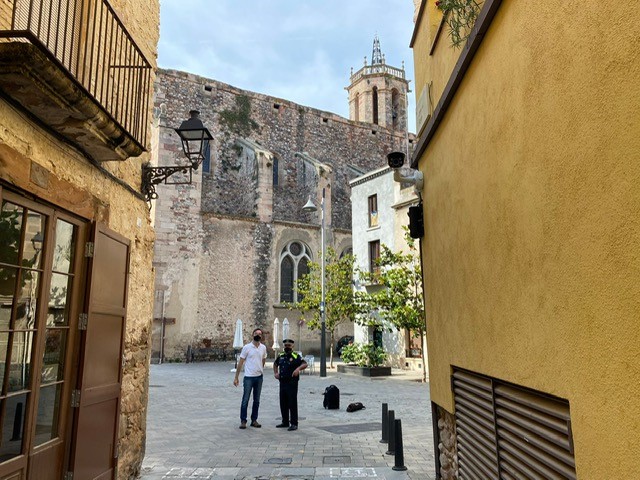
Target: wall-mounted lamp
(195,139)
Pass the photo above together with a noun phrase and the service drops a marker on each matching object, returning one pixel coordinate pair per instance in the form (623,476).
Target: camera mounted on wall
(415,178)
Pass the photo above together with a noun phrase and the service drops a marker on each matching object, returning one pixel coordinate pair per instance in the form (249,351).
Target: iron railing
(88,40)
(377,69)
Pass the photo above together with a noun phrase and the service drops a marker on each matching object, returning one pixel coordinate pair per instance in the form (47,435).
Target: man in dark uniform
(287,368)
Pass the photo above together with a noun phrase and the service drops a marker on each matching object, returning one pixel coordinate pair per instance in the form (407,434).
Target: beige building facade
(76,241)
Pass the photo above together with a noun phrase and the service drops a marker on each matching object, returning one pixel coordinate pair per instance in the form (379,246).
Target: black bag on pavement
(331,397)
(354,407)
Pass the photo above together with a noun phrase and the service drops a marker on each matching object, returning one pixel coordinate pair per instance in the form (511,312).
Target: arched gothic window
(294,263)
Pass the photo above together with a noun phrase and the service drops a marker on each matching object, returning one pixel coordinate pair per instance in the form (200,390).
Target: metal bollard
(385,423)
(392,433)
(399,454)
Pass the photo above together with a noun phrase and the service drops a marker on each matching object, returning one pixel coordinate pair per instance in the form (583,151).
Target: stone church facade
(231,244)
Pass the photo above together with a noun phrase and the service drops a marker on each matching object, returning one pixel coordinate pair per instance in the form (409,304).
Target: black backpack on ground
(331,398)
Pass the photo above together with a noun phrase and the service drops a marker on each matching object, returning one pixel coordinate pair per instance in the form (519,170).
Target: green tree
(340,304)
(400,301)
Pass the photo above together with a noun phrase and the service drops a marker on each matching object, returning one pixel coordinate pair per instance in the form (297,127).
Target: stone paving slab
(194,413)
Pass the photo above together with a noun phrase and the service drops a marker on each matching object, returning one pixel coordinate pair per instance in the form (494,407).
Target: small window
(208,88)
(325,120)
(275,171)
(373,211)
(206,160)
(375,105)
(276,106)
(357,107)
(413,343)
(374,256)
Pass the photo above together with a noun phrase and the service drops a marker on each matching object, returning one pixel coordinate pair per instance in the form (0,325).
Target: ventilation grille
(508,432)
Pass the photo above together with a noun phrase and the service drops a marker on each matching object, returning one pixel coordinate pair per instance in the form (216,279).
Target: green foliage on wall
(238,120)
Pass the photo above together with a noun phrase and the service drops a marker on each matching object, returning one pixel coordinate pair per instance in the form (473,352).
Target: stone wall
(447,445)
(283,128)
(219,240)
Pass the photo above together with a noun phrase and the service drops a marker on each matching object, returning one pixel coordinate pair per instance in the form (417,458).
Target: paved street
(192,428)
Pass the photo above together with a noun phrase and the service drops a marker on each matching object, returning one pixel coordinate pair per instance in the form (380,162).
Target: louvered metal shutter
(508,432)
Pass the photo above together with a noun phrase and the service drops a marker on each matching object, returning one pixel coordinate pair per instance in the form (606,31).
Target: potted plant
(364,359)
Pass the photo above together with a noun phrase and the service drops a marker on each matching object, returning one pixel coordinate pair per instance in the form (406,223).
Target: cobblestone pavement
(194,414)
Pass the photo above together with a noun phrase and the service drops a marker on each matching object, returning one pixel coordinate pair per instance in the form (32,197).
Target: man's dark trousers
(289,401)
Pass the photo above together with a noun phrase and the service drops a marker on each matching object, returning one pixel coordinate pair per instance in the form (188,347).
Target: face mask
(288,349)
(257,338)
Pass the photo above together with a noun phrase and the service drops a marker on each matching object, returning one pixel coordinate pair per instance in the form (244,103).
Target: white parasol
(276,327)
(238,342)
(285,329)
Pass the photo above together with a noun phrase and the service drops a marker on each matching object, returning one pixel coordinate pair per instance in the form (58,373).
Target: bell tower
(378,92)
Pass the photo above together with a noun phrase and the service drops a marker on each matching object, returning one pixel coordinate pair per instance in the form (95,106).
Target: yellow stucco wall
(532,212)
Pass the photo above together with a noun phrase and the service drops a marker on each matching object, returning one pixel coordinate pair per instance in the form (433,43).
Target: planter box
(365,371)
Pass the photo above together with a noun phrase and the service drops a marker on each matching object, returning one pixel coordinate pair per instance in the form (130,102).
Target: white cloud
(300,50)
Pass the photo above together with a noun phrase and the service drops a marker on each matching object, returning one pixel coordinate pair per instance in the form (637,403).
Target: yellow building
(76,242)
(529,141)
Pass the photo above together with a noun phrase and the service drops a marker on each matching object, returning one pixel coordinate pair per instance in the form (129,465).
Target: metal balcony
(75,68)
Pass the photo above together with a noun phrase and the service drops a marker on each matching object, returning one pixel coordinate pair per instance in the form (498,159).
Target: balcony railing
(377,69)
(90,43)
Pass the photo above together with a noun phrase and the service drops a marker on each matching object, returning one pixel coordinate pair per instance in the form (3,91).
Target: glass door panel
(52,378)
(22,235)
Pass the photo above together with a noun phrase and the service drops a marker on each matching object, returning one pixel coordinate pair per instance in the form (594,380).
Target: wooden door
(94,451)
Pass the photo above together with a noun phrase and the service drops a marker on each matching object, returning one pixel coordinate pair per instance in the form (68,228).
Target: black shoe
(292,428)
(243,425)
(255,424)
(282,425)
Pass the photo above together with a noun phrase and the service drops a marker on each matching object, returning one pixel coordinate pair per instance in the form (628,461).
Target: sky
(298,50)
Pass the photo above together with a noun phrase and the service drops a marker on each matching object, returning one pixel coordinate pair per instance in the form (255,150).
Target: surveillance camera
(395,160)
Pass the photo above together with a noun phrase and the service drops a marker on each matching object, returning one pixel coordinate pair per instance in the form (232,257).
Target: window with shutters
(510,432)
(294,264)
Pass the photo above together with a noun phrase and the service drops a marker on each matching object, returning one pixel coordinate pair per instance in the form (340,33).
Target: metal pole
(399,455)
(392,433)
(323,340)
(385,423)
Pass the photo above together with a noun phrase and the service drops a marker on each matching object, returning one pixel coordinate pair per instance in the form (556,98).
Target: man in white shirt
(253,356)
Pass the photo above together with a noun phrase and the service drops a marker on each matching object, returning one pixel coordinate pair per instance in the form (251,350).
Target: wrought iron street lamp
(311,207)
(195,140)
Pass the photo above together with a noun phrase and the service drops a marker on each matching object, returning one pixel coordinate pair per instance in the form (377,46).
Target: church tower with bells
(378,92)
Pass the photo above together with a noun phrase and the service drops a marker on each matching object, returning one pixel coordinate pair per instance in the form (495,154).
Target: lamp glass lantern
(195,138)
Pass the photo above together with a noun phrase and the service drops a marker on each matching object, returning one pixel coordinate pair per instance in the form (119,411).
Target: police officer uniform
(284,366)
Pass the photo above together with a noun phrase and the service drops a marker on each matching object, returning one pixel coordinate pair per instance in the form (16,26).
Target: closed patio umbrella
(276,328)
(285,329)
(238,342)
